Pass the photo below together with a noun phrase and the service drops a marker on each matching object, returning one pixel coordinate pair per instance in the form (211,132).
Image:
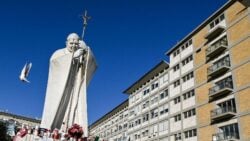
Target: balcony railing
(224,112)
(223,88)
(217,48)
(231,136)
(214,32)
(218,68)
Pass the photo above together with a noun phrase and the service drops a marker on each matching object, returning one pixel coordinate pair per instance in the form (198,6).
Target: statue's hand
(78,53)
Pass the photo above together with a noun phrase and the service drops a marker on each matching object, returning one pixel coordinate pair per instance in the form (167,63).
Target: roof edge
(203,24)
(104,116)
(20,117)
(141,78)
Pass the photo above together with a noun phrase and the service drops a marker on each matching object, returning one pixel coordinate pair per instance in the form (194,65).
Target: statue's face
(72,44)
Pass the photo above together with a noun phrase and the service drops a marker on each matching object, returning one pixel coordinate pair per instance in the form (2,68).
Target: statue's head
(72,42)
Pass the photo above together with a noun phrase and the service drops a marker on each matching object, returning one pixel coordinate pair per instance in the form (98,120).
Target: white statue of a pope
(70,71)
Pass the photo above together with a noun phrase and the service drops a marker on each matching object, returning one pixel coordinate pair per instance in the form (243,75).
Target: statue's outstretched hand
(78,53)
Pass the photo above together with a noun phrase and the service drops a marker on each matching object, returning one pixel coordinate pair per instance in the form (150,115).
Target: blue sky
(128,38)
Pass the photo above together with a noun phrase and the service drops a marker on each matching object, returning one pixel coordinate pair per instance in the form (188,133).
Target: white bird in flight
(25,72)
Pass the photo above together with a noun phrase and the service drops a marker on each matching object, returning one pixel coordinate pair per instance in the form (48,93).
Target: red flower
(23,132)
(75,131)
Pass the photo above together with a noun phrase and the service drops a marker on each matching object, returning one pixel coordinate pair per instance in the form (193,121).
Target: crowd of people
(74,133)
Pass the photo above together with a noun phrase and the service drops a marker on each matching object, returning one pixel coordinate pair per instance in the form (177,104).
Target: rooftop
(147,77)
(109,114)
(202,25)
(20,117)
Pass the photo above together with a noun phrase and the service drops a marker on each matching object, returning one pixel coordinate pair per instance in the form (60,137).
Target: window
(188,94)
(226,82)
(222,17)
(176,83)
(138,122)
(177,137)
(154,113)
(163,109)
(165,77)
(183,47)
(177,67)
(227,104)
(131,113)
(137,136)
(125,125)
(125,115)
(190,42)
(131,124)
(145,105)
(211,24)
(187,60)
(155,85)
(177,100)
(154,99)
(164,94)
(177,118)
(187,44)
(176,52)
(216,21)
(198,50)
(120,127)
(189,113)
(131,99)
(145,133)
(187,77)
(145,117)
(163,126)
(153,130)
(190,133)
(230,130)
(145,91)
(121,117)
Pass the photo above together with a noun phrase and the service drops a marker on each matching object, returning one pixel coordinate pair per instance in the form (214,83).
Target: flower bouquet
(75,131)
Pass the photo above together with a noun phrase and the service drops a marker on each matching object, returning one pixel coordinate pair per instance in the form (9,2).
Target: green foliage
(3,130)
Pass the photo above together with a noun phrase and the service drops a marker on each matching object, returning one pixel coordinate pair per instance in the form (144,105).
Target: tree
(3,131)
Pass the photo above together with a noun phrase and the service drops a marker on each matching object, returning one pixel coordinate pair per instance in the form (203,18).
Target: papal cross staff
(85,22)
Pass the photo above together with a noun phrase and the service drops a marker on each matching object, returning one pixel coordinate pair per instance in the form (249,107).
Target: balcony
(217,48)
(218,68)
(222,113)
(226,137)
(214,32)
(223,88)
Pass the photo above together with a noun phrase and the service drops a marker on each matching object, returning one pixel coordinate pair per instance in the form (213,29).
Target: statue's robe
(66,101)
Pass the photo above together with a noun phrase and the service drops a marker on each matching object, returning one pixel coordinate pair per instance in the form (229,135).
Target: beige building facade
(203,93)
